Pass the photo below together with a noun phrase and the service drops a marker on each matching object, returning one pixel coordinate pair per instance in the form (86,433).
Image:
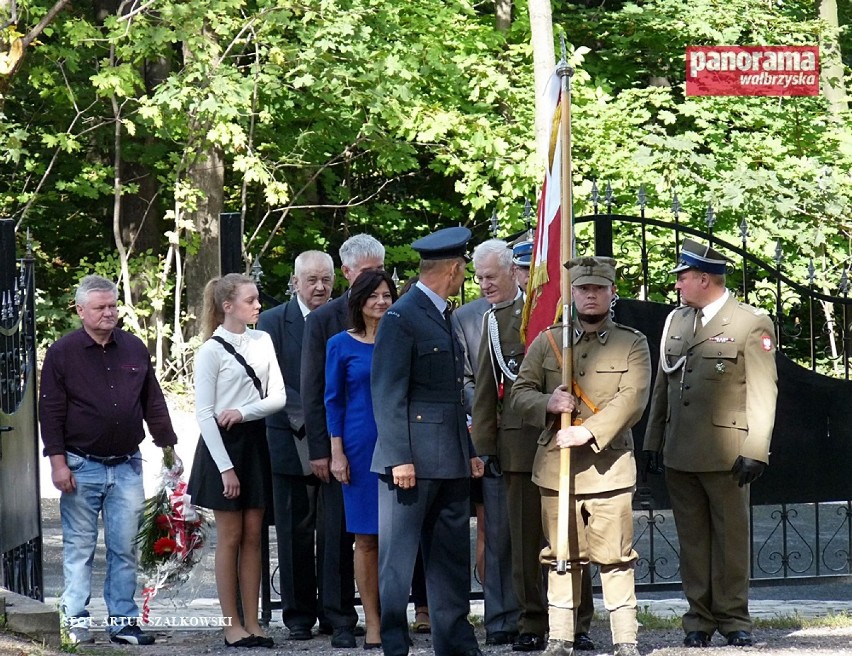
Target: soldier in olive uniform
(612,377)
(712,415)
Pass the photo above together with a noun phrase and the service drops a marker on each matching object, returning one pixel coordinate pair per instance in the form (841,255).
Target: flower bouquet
(172,535)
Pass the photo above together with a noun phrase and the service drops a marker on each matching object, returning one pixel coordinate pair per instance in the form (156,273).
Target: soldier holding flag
(611,382)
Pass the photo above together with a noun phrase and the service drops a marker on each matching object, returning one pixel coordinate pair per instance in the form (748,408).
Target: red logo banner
(752,71)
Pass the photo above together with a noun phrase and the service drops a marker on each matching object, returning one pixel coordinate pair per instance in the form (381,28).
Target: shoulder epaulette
(759,312)
(630,329)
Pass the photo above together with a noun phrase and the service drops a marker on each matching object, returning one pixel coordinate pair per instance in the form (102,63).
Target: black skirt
(249,453)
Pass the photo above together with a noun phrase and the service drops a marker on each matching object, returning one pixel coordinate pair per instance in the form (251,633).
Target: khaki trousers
(601,531)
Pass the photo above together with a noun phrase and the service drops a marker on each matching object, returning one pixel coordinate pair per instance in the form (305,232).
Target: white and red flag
(544,297)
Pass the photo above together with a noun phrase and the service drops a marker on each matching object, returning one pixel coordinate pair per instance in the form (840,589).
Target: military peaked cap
(443,244)
(697,256)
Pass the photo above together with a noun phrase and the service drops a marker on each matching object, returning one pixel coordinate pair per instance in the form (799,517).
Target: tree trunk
(831,64)
(207,174)
(541,28)
(503,12)
(141,214)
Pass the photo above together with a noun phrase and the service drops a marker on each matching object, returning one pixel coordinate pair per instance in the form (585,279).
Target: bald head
(313,278)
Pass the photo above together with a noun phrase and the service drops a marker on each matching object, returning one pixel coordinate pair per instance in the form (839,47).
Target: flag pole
(565,72)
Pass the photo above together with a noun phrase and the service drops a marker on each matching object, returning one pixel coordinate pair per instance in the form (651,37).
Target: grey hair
(304,258)
(93,283)
(496,247)
(359,248)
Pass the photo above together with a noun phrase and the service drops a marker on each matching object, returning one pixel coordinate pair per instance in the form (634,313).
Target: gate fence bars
(20,508)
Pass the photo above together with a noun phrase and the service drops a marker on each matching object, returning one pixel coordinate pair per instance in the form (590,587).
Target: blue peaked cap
(522,253)
(444,244)
(694,255)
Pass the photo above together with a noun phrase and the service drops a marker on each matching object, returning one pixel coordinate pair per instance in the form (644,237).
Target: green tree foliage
(391,117)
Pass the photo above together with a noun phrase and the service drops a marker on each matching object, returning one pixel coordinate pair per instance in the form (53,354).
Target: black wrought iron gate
(20,509)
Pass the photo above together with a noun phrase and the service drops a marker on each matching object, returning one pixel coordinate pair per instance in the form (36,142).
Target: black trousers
(295,505)
(336,559)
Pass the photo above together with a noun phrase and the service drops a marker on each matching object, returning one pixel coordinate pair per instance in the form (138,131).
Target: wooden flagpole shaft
(567,252)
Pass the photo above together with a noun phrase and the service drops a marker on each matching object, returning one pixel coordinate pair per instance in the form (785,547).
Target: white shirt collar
(304,308)
(712,309)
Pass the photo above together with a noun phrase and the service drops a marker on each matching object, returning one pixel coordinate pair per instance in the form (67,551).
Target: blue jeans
(118,493)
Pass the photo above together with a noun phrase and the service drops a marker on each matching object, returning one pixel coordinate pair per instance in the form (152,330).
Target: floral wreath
(172,534)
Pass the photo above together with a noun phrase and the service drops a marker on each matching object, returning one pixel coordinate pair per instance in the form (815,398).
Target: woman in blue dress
(352,427)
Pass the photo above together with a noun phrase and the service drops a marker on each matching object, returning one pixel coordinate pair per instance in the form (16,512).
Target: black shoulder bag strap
(242,361)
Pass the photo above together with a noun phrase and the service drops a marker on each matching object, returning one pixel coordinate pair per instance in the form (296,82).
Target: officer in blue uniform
(424,456)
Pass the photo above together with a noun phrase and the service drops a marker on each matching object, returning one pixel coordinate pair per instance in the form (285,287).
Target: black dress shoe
(499,638)
(264,641)
(696,639)
(528,642)
(583,642)
(343,638)
(300,633)
(740,639)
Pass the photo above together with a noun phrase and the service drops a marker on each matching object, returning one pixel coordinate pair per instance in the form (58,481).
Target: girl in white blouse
(237,384)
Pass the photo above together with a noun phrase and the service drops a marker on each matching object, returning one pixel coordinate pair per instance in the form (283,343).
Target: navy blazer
(320,325)
(416,383)
(285,324)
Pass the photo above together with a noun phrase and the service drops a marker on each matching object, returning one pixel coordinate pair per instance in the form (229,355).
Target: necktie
(699,322)
(447,312)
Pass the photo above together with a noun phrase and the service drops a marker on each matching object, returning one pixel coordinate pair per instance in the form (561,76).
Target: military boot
(625,649)
(559,648)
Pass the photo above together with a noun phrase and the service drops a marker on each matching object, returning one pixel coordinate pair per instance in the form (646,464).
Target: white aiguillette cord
(496,348)
(664,365)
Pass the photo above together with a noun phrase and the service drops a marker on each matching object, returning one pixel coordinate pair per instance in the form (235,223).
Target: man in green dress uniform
(712,414)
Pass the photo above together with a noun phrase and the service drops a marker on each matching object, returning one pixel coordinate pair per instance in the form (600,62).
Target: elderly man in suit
(712,415)
(612,377)
(294,487)
(423,454)
(334,543)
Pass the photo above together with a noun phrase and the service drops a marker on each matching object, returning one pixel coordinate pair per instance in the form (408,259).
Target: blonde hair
(216,292)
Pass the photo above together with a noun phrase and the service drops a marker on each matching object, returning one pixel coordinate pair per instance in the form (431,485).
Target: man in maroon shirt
(97,386)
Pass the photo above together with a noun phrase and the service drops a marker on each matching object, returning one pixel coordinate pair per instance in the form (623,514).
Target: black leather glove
(747,469)
(492,466)
(653,462)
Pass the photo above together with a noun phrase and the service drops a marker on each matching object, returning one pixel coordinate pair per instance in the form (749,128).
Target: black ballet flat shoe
(372,645)
(248,641)
(264,641)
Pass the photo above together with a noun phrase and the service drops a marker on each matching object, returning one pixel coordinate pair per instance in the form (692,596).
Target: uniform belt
(106,461)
